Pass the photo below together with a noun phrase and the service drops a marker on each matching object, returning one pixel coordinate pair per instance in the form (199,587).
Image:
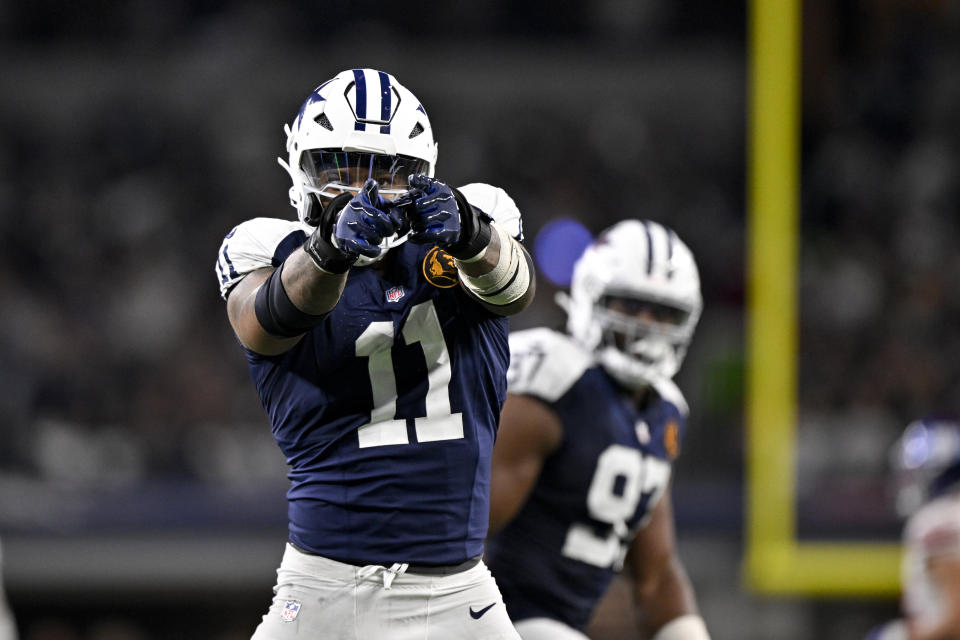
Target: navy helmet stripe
(385,105)
(360,86)
(646,227)
(670,241)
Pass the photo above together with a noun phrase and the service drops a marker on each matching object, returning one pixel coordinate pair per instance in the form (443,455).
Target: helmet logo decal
(314,97)
(439,269)
(364,109)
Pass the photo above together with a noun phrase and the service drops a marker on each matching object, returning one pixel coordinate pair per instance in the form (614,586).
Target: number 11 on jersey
(375,343)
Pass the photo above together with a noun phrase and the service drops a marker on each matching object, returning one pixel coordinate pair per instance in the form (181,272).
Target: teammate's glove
(351,226)
(439,214)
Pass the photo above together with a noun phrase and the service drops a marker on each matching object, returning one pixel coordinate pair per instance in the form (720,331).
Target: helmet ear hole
(324,121)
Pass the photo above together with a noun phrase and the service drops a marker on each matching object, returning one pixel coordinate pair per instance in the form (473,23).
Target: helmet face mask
(360,124)
(328,173)
(635,300)
(926,462)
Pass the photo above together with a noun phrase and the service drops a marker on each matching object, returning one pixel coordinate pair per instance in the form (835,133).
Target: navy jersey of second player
(557,556)
(386,413)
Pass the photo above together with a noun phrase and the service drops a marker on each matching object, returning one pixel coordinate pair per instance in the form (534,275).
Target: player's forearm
(288,302)
(311,289)
(663,599)
(484,264)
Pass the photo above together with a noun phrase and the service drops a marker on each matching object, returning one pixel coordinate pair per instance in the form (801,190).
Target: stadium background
(141,496)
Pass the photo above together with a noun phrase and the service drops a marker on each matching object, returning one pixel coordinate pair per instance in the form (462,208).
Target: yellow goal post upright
(776,562)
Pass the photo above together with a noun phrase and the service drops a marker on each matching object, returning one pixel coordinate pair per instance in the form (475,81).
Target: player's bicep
(529,431)
(242,313)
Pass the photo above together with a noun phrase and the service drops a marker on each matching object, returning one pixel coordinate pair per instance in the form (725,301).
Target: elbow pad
(509,279)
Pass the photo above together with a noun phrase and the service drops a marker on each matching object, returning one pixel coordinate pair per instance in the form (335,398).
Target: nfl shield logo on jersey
(394,294)
(643,432)
(290,610)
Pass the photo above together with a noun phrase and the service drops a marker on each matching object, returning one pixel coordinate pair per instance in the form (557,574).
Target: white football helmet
(926,461)
(635,300)
(361,124)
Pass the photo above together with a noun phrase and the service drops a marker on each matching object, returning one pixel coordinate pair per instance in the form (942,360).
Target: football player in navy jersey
(591,425)
(375,330)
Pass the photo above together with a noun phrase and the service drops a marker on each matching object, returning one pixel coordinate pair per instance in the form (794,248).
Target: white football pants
(547,629)
(316,597)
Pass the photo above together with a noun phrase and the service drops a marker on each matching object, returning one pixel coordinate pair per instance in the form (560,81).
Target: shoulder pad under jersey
(670,392)
(545,363)
(495,202)
(253,245)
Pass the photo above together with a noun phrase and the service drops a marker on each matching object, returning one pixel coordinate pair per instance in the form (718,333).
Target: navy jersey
(556,558)
(387,410)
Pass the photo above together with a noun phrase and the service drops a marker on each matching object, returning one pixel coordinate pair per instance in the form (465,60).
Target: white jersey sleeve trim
(251,246)
(495,202)
(545,363)
(670,392)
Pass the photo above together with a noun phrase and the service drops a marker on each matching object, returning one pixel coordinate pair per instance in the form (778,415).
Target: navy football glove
(439,214)
(366,220)
(351,226)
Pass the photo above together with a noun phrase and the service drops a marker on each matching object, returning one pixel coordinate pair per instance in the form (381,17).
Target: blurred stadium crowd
(135,136)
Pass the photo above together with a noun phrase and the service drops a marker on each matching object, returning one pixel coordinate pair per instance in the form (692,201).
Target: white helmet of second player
(926,462)
(635,300)
(360,124)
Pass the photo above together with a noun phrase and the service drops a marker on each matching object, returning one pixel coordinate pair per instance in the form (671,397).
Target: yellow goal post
(776,562)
